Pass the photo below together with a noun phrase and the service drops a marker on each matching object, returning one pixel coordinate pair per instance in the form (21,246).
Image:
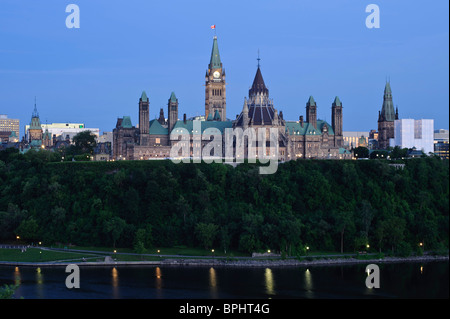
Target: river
(399,280)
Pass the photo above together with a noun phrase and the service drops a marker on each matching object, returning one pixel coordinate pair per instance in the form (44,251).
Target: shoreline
(248,263)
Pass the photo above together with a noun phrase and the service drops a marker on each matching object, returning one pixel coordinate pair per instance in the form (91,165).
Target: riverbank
(235,263)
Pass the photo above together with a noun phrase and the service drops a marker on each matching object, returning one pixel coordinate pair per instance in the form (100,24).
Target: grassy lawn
(177,250)
(38,255)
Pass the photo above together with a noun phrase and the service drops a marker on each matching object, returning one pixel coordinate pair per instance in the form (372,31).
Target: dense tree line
(326,205)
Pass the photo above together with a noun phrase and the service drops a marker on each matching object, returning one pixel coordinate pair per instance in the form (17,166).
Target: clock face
(216,74)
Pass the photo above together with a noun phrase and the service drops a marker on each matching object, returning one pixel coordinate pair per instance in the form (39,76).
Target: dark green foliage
(361,152)
(326,205)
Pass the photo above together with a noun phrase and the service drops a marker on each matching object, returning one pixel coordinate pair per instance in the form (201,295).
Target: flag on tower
(213,26)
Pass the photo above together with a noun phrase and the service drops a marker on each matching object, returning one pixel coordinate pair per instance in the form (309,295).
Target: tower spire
(259,59)
(215,62)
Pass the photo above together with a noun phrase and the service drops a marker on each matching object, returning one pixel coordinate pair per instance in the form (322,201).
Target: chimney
(184,118)
(301,120)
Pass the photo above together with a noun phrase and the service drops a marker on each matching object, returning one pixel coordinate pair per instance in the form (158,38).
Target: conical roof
(258,85)
(337,102)
(311,101)
(215,63)
(387,110)
(144,97)
(173,98)
(216,116)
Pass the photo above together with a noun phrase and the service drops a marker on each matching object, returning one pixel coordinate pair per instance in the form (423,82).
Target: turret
(311,112)
(172,106)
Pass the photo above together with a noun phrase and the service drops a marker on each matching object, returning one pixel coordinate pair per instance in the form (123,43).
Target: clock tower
(215,97)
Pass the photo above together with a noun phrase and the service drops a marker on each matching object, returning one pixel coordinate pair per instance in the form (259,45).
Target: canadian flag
(213,26)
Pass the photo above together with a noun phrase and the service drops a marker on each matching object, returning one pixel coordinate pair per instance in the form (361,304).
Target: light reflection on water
(308,284)
(40,283)
(158,283)
(213,283)
(115,283)
(17,278)
(418,280)
(270,284)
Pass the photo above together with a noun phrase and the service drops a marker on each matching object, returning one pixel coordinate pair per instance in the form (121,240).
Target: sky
(96,73)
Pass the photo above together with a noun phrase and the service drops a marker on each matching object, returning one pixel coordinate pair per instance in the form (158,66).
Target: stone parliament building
(307,138)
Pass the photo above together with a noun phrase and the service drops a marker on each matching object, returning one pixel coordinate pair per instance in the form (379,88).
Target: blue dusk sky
(96,73)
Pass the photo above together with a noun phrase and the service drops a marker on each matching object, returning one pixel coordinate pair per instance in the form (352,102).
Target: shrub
(404,249)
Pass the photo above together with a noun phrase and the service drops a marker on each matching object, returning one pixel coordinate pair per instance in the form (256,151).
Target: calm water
(416,280)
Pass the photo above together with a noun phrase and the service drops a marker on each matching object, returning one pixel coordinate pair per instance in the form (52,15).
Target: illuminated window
(158,141)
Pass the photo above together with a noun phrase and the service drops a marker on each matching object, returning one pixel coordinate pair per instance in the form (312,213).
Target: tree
(398,152)
(7,291)
(343,220)
(361,152)
(28,229)
(84,143)
(115,227)
(365,214)
(206,233)
(394,228)
(139,239)
(379,155)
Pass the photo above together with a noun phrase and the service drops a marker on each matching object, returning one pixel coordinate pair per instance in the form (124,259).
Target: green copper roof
(344,151)
(337,102)
(294,128)
(216,116)
(311,101)
(13,134)
(144,96)
(126,122)
(387,111)
(387,88)
(47,134)
(173,98)
(215,56)
(189,125)
(36,143)
(35,123)
(210,117)
(157,129)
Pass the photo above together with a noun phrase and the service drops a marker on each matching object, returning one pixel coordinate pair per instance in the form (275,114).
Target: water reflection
(213,282)
(40,283)
(421,270)
(269,282)
(158,285)
(309,284)
(115,282)
(17,277)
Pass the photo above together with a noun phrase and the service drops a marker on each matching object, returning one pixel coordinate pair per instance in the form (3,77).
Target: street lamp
(212,250)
